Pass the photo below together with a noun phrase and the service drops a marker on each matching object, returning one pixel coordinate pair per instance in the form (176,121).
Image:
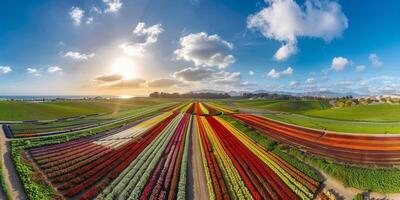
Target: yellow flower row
(221,108)
(235,184)
(301,190)
(204,160)
(203,109)
(186,107)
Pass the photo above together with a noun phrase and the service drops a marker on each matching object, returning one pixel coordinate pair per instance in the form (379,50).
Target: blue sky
(135,47)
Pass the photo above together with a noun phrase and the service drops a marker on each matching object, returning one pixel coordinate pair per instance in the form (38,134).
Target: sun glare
(124,67)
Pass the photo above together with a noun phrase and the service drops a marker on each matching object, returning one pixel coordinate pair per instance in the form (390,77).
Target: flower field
(352,148)
(238,168)
(151,160)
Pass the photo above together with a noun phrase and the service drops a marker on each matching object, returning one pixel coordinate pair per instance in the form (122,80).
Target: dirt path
(348,193)
(9,172)
(197,177)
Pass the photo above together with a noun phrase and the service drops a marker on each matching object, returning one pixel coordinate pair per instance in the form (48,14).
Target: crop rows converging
(151,160)
(151,152)
(359,149)
(236,167)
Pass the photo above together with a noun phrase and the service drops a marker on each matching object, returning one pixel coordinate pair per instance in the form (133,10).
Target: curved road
(10,174)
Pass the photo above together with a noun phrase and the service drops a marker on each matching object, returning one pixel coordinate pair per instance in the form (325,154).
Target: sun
(125,67)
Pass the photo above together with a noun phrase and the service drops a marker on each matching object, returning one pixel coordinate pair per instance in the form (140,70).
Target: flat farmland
(157,154)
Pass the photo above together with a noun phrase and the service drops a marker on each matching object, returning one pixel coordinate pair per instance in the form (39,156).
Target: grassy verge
(373,179)
(34,183)
(274,147)
(336,125)
(4,187)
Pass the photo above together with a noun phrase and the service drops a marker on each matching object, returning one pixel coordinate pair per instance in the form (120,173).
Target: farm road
(197,176)
(9,171)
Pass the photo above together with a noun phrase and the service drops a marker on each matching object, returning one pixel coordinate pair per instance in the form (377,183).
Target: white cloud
(339,63)
(5,69)
(193,74)
(275,74)
(89,20)
(251,73)
(311,81)
(205,50)
(33,71)
(209,77)
(159,83)
(143,37)
(375,60)
(76,15)
(285,21)
(285,51)
(55,70)
(113,6)
(109,78)
(96,10)
(130,83)
(78,56)
(288,71)
(360,68)
(293,84)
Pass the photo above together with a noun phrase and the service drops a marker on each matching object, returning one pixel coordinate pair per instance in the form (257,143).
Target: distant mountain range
(328,94)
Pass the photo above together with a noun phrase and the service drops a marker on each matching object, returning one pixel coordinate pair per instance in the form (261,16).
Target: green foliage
(294,106)
(21,110)
(337,125)
(370,113)
(274,147)
(3,186)
(373,179)
(359,197)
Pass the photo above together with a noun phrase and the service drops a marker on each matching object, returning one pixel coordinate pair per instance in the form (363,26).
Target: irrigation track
(10,174)
(368,149)
(197,177)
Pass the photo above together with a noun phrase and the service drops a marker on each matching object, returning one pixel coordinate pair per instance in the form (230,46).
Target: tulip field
(150,160)
(176,151)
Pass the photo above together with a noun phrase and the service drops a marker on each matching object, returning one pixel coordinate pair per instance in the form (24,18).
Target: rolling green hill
(18,110)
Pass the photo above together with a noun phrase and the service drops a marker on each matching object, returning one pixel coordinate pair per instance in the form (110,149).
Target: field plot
(352,148)
(33,129)
(239,168)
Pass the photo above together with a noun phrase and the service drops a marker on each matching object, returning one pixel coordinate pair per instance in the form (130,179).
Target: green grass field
(284,105)
(379,112)
(379,118)
(53,110)
(337,125)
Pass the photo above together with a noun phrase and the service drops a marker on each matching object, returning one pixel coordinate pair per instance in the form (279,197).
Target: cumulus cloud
(78,56)
(55,70)
(360,68)
(193,74)
(275,74)
(130,83)
(76,15)
(89,20)
(163,83)
(311,81)
(143,37)
(285,21)
(285,51)
(33,71)
(109,78)
(339,63)
(251,73)
(293,84)
(205,50)
(5,69)
(375,60)
(210,77)
(113,6)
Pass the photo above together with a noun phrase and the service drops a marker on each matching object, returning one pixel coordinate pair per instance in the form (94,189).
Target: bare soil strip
(197,177)
(9,171)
